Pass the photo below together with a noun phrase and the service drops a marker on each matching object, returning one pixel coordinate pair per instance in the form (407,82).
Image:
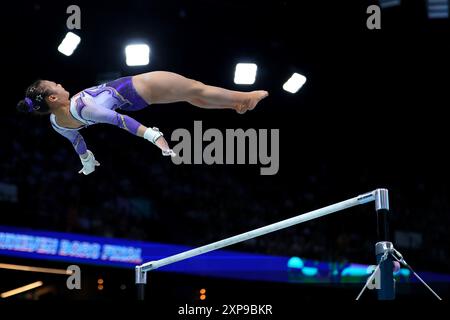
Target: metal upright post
(384,247)
(141,280)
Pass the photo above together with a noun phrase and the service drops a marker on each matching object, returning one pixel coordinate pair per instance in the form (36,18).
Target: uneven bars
(361,199)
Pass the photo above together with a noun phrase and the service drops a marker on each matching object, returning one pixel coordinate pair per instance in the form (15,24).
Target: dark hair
(35,99)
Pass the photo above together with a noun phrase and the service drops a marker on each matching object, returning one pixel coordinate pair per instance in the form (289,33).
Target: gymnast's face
(58,93)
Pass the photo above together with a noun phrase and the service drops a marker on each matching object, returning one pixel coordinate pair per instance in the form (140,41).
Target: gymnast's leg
(167,87)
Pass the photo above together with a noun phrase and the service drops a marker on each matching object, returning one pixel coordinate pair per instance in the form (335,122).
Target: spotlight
(245,73)
(69,44)
(137,54)
(295,82)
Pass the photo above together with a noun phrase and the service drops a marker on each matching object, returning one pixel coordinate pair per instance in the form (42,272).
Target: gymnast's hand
(169,152)
(89,163)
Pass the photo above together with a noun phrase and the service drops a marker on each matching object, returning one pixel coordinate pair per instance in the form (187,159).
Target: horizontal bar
(361,199)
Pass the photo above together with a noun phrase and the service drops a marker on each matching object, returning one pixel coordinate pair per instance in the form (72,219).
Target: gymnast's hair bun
(22,106)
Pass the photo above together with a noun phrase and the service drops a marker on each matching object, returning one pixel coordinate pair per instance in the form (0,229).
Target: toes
(241,110)
(262,95)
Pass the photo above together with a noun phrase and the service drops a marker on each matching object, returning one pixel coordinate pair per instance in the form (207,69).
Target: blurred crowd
(138,194)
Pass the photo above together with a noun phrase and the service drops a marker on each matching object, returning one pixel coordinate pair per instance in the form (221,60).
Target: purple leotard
(97,105)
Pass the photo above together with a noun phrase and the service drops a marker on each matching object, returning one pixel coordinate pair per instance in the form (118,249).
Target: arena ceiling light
(389,3)
(33,269)
(137,54)
(69,44)
(28,287)
(295,82)
(245,73)
(437,9)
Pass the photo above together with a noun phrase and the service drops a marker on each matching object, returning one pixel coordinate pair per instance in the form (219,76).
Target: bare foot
(252,101)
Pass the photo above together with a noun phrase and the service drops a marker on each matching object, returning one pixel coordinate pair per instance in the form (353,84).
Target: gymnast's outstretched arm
(75,138)
(96,114)
(103,115)
(86,156)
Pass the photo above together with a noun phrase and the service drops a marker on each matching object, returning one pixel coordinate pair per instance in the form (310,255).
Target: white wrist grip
(152,134)
(89,163)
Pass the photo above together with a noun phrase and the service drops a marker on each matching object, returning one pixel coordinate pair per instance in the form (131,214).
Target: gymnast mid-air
(99,104)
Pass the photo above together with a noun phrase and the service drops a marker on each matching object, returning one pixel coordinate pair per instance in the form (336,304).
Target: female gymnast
(99,104)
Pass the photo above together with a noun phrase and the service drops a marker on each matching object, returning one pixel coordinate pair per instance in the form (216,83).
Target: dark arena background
(371,114)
